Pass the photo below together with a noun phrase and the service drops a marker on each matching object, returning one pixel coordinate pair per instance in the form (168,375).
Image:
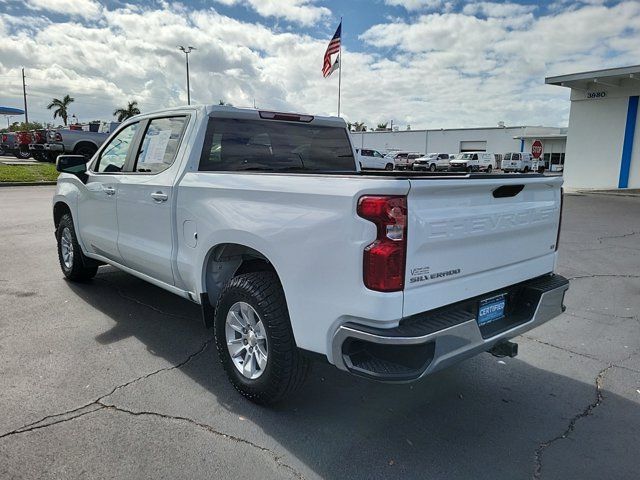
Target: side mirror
(75,164)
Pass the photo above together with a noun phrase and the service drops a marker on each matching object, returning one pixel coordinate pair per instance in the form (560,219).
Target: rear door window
(271,145)
(160,144)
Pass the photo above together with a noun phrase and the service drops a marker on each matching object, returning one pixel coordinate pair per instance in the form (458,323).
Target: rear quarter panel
(307,227)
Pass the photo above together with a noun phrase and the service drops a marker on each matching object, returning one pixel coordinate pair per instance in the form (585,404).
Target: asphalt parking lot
(118,379)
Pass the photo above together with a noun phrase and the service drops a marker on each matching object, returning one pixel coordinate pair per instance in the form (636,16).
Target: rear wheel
(388,166)
(526,170)
(432,167)
(254,339)
(489,169)
(73,262)
(22,154)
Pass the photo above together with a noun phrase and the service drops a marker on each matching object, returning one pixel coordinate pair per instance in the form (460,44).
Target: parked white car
(473,162)
(519,162)
(432,162)
(264,220)
(373,160)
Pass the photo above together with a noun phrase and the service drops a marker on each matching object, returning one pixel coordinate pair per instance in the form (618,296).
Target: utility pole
(187,51)
(24,94)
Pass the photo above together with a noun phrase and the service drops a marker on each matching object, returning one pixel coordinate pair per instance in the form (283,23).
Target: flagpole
(340,67)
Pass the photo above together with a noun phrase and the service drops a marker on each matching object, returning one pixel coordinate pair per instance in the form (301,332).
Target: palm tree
(124,113)
(382,126)
(360,126)
(61,107)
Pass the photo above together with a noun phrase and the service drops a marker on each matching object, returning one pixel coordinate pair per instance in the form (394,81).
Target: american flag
(333,47)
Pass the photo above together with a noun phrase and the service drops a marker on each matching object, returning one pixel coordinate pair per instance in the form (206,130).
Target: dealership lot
(118,379)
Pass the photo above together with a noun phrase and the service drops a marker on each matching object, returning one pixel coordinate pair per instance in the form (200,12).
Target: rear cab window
(276,146)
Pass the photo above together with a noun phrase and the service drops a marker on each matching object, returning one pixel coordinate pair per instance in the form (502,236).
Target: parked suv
(374,160)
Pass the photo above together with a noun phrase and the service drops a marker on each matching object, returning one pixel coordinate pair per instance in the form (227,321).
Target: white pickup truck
(265,220)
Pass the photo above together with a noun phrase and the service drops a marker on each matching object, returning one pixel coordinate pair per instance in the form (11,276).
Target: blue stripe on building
(627,146)
(522,144)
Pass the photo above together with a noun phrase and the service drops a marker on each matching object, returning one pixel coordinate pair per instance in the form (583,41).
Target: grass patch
(44,172)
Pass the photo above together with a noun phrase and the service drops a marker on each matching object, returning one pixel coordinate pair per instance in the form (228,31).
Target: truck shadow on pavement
(480,419)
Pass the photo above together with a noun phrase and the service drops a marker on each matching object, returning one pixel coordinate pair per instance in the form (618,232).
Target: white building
(498,140)
(603,144)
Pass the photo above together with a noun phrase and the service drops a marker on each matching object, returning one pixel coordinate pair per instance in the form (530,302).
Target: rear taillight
(4,138)
(384,259)
(560,219)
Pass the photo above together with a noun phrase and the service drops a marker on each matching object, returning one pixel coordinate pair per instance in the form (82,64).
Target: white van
(473,162)
(519,162)
(373,160)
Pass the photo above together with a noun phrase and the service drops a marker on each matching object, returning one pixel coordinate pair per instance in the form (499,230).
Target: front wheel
(255,341)
(74,264)
(388,167)
(489,169)
(432,167)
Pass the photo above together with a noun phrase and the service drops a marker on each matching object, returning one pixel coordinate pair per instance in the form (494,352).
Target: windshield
(466,156)
(244,145)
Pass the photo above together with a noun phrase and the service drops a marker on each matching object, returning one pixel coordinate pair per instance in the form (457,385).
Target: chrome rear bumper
(428,342)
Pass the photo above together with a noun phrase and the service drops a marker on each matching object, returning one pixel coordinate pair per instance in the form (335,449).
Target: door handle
(109,190)
(159,196)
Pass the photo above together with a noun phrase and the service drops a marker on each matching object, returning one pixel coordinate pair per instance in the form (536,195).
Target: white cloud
(436,70)
(299,11)
(416,4)
(88,9)
(494,9)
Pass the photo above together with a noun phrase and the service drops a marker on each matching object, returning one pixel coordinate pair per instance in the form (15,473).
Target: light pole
(187,51)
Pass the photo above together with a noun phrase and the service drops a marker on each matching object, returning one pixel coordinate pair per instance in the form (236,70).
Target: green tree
(130,110)
(21,126)
(382,126)
(61,107)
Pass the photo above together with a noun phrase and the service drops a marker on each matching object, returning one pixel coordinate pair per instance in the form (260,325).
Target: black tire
(526,170)
(79,267)
(22,154)
(40,157)
(489,169)
(388,167)
(432,167)
(86,150)
(286,369)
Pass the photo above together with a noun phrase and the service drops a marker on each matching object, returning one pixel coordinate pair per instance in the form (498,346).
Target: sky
(424,63)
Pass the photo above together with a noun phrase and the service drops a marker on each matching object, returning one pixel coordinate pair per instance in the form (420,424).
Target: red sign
(536,149)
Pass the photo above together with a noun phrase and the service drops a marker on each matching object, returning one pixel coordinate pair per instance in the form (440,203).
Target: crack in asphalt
(99,404)
(121,294)
(604,275)
(277,458)
(98,401)
(611,237)
(587,411)
(564,349)
(537,472)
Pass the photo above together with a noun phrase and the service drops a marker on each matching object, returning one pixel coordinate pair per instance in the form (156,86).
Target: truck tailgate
(464,240)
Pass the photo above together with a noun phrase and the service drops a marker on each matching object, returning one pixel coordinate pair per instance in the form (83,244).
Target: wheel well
(229,260)
(59,210)
(85,144)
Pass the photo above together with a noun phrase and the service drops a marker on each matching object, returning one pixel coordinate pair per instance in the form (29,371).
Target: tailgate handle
(507,191)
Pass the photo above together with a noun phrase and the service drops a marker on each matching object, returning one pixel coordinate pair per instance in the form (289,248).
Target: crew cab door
(146,194)
(97,217)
